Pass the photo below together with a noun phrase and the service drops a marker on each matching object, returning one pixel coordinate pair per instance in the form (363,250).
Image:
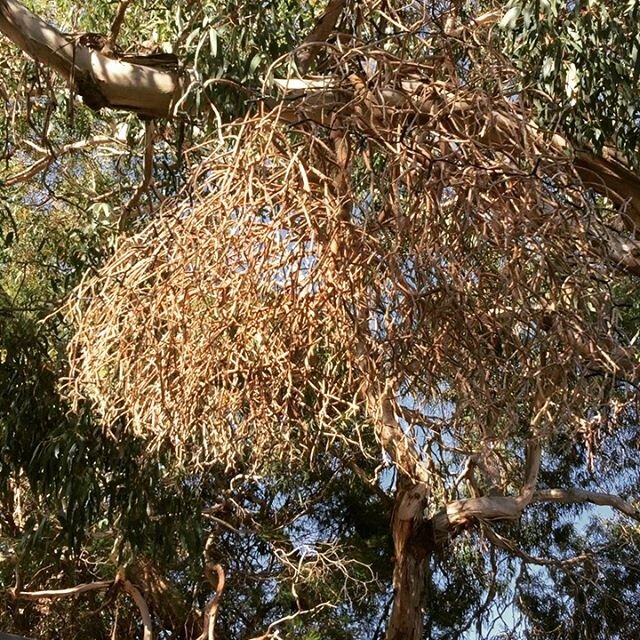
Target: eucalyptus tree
(385,245)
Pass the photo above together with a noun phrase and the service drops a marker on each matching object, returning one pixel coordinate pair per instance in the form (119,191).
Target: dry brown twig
(398,232)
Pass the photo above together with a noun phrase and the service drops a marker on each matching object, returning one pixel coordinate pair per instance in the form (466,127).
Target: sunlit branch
(43,163)
(101,80)
(271,631)
(120,579)
(142,607)
(61,593)
(211,608)
(581,496)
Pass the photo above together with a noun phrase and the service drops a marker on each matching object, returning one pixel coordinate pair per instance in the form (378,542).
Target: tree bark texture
(412,548)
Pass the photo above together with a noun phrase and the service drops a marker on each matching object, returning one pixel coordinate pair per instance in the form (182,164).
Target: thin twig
(117,21)
(45,162)
(270,629)
(149,132)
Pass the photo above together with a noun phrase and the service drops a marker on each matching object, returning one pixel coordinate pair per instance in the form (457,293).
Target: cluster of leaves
(580,64)
(229,47)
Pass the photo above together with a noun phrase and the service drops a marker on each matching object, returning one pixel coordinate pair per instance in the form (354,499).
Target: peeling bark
(412,548)
(411,542)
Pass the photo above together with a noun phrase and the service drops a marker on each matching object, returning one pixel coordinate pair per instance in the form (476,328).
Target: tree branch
(209,620)
(61,593)
(321,32)
(142,607)
(320,99)
(117,21)
(43,163)
(101,80)
(269,633)
(94,586)
(461,514)
(508,545)
(149,132)
(581,496)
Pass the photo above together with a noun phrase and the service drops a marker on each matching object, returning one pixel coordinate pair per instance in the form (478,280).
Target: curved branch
(95,586)
(461,514)
(319,99)
(508,545)
(581,496)
(487,19)
(271,632)
(43,163)
(142,607)
(101,80)
(208,625)
(61,593)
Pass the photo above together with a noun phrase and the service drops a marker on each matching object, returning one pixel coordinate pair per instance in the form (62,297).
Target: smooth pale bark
(62,593)
(142,607)
(102,81)
(581,496)
(127,586)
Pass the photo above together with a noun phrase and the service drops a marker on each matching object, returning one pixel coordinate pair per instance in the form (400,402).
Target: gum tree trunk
(412,543)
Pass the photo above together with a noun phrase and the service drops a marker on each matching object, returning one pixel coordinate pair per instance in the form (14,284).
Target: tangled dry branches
(398,230)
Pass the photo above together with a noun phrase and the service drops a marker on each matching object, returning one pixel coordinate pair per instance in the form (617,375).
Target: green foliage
(581,67)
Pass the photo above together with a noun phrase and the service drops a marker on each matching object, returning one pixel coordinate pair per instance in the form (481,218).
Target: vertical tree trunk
(412,546)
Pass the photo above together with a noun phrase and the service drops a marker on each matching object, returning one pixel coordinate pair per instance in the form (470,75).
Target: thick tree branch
(412,492)
(460,514)
(395,441)
(487,19)
(101,80)
(320,99)
(142,607)
(581,496)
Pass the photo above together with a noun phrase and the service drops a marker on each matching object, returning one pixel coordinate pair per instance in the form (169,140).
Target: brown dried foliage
(403,229)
